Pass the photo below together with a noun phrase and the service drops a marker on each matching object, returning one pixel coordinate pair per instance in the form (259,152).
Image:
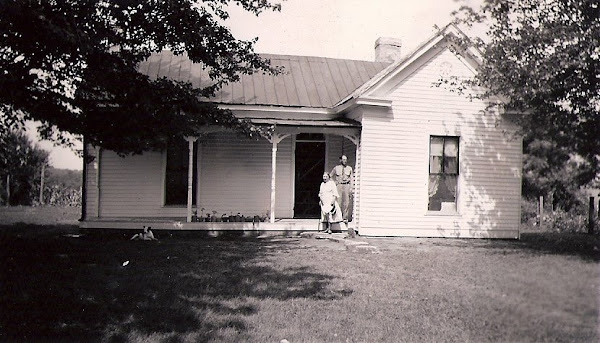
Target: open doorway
(310,165)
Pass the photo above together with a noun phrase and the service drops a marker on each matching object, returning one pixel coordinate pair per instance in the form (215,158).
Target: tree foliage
(21,161)
(542,57)
(551,171)
(72,65)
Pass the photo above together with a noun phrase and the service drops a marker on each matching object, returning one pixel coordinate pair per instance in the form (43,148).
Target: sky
(326,28)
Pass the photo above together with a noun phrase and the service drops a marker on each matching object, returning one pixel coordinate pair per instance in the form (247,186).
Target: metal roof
(317,82)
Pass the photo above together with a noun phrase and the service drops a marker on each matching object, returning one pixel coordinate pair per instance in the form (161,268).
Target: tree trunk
(42,184)
(591,216)
(7,190)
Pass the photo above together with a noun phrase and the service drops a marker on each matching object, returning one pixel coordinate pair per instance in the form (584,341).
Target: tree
(543,59)
(20,163)
(552,172)
(72,65)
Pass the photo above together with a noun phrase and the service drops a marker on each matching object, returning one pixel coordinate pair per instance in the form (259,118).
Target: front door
(310,165)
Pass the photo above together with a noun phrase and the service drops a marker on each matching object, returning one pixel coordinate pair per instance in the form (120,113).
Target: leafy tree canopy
(543,57)
(72,65)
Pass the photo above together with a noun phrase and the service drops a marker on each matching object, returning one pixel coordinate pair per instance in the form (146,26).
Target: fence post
(541,212)
(591,216)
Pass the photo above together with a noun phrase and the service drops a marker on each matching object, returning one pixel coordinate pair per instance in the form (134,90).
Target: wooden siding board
(489,183)
(237,176)
(131,185)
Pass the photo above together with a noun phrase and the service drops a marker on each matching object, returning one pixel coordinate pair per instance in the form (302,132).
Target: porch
(280,227)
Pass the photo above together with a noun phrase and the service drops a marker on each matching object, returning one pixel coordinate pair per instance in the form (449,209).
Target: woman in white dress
(328,200)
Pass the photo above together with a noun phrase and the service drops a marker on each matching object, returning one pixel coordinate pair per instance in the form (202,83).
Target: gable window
(443,173)
(176,174)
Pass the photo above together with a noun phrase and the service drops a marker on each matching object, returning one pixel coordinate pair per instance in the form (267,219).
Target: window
(176,178)
(443,173)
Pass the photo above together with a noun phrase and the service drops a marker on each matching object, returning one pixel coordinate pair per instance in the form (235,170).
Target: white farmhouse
(428,162)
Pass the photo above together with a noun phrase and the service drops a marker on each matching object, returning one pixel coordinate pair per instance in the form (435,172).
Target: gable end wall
(395,160)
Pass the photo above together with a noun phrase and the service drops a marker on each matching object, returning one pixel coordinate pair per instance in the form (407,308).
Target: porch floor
(287,226)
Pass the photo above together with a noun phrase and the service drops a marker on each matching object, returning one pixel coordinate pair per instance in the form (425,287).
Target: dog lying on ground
(145,235)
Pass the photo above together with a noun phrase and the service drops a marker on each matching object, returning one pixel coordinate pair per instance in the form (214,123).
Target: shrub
(562,221)
(558,220)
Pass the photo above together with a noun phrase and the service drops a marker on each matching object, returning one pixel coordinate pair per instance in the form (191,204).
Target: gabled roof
(315,82)
(309,82)
(449,32)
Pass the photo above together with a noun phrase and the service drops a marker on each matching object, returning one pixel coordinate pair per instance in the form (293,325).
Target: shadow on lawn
(56,287)
(584,246)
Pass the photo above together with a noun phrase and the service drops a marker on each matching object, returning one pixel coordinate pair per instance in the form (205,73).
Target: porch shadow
(59,287)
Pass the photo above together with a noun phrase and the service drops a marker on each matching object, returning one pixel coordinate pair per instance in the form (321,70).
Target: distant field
(40,215)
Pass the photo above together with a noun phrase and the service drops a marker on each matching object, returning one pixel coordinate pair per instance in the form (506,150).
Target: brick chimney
(387,49)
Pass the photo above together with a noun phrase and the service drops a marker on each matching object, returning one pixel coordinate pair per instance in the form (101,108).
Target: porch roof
(340,126)
(307,123)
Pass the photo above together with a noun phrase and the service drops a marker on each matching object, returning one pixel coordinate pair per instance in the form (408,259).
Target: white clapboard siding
(132,186)
(394,161)
(236,176)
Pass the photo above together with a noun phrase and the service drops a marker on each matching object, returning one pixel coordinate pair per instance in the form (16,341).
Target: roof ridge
(287,56)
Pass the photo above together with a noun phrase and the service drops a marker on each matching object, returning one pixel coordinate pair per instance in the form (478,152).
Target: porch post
(97,166)
(190,141)
(275,139)
(273,173)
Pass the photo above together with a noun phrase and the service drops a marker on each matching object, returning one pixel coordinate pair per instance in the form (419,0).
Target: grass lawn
(62,288)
